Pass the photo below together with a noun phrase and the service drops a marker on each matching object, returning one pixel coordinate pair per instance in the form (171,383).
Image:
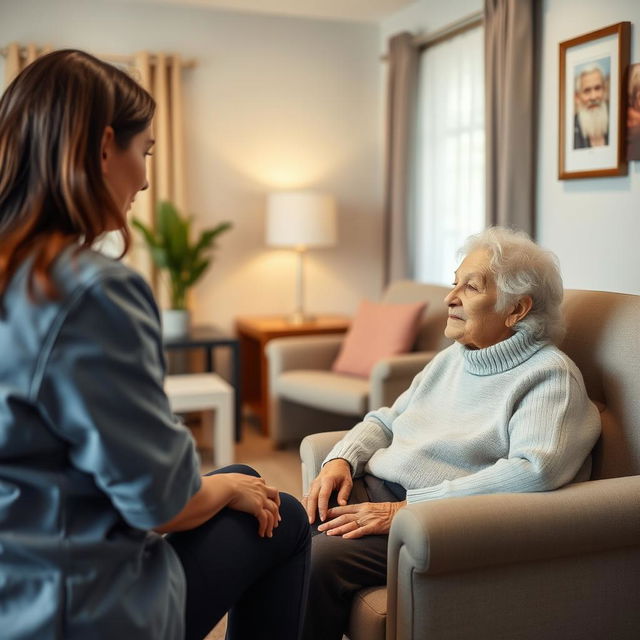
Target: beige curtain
(402,84)
(17,57)
(161,75)
(510,99)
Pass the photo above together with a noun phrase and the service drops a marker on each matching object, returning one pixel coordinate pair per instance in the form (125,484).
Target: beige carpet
(280,468)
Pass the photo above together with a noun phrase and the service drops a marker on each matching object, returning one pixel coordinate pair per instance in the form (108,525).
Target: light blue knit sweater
(513,417)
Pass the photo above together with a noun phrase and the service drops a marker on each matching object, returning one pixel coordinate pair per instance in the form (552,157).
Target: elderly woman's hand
(334,476)
(364,519)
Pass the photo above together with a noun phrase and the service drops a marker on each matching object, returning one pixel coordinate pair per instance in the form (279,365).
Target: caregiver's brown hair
(52,191)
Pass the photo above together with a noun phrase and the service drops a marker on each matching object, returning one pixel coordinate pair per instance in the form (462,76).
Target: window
(448,198)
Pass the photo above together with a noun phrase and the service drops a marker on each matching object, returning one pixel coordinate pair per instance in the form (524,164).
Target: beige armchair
(306,397)
(558,565)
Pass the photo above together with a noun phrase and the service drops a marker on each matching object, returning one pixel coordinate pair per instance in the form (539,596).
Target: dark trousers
(261,582)
(340,568)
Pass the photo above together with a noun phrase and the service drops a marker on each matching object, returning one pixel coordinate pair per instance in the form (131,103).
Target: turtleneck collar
(502,356)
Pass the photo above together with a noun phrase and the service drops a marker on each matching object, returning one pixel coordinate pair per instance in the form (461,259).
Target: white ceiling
(353,10)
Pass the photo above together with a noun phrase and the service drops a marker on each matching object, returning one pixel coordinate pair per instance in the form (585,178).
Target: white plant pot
(175,323)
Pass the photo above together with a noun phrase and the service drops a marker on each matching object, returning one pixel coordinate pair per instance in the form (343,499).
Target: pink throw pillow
(378,330)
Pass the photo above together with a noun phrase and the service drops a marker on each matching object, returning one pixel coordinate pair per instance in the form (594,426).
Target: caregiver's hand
(252,495)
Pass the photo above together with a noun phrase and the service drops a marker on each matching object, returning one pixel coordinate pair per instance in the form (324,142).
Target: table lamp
(300,220)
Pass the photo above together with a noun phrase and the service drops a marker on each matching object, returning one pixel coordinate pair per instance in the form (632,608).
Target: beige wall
(593,225)
(272,103)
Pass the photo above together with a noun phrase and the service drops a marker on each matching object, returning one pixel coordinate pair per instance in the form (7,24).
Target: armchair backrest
(603,339)
(431,334)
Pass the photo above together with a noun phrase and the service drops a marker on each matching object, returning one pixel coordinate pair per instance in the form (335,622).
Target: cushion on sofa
(379,330)
(324,390)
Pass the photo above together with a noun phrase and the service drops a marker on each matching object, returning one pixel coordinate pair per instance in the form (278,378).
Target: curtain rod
(449,31)
(110,57)
(116,57)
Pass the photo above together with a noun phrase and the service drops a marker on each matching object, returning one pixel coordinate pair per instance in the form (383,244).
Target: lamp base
(299,317)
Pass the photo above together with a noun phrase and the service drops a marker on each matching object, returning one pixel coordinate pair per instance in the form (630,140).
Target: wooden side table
(254,332)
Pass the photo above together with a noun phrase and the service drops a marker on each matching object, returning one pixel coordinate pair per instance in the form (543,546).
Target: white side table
(209,393)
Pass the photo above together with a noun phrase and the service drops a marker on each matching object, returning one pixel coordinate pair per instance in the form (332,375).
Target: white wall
(593,225)
(272,103)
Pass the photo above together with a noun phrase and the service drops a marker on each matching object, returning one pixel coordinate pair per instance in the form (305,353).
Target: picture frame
(633,113)
(592,103)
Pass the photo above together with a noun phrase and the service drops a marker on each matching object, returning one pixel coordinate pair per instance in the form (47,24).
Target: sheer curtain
(449,190)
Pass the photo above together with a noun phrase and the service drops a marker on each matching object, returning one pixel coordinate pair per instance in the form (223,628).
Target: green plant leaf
(159,257)
(175,233)
(165,212)
(172,250)
(209,235)
(197,271)
(147,234)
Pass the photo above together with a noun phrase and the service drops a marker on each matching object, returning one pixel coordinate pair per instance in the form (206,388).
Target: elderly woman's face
(473,320)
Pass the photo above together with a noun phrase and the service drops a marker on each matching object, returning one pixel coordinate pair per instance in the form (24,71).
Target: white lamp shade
(300,219)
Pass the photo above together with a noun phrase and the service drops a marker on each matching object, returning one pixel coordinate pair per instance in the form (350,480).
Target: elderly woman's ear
(520,309)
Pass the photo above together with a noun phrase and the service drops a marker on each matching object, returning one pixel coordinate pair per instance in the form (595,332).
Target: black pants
(261,582)
(340,567)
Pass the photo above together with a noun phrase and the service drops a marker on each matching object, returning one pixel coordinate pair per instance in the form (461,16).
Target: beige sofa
(559,565)
(306,397)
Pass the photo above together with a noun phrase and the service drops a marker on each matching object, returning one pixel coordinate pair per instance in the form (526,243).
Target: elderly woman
(501,410)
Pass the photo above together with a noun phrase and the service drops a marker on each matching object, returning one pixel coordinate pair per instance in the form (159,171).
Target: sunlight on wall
(270,276)
(284,161)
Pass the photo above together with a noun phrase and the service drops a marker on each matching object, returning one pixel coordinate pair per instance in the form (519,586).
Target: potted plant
(172,250)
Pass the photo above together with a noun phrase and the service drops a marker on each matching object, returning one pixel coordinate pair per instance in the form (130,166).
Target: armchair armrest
(313,450)
(391,376)
(460,554)
(459,534)
(302,352)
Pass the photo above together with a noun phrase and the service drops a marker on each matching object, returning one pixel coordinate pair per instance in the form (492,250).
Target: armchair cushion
(368,615)
(325,390)
(377,331)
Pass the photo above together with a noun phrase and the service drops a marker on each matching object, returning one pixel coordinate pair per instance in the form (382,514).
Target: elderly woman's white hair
(520,267)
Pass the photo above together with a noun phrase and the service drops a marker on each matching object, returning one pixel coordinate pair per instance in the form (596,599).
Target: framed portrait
(633,113)
(593,106)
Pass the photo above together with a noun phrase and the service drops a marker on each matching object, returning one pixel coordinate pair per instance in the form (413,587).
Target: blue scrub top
(91,458)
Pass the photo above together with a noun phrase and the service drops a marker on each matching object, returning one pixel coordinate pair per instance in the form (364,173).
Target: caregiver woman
(91,458)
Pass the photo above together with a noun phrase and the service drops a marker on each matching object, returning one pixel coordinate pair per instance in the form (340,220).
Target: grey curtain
(402,87)
(510,112)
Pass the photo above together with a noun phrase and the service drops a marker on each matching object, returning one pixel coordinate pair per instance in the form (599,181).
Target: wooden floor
(279,468)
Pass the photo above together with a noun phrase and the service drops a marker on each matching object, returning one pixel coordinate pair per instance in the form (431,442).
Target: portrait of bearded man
(591,120)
